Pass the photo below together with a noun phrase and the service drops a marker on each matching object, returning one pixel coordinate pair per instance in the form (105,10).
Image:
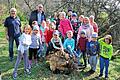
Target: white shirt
(39,17)
(24,42)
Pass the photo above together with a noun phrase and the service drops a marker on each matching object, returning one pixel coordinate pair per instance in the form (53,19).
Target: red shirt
(48,35)
(82,43)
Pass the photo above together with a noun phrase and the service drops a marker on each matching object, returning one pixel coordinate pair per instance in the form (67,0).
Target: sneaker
(14,75)
(100,75)
(27,71)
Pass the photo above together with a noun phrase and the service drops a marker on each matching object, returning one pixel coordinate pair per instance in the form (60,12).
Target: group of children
(76,38)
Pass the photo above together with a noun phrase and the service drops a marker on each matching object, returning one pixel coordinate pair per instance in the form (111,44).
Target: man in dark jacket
(37,15)
(13,30)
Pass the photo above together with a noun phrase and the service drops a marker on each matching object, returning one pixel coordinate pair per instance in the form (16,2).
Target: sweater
(69,43)
(65,26)
(48,35)
(82,42)
(93,48)
(89,30)
(36,41)
(24,42)
(57,43)
(106,50)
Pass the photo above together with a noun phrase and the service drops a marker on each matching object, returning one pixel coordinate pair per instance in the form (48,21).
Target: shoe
(27,71)
(92,72)
(10,59)
(14,75)
(106,77)
(100,75)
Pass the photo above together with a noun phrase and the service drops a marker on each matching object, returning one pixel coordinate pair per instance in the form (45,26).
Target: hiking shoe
(27,71)
(14,75)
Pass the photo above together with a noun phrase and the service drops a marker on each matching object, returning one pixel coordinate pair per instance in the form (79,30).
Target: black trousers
(84,58)
(32,52)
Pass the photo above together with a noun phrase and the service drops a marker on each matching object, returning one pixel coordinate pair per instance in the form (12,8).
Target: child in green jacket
(105,54)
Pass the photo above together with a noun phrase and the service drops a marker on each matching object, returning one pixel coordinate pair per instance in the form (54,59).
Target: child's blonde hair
(52,25)
(27,26)
(70,32)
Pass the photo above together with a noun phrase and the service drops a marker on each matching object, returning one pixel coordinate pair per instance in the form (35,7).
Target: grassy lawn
(41,72)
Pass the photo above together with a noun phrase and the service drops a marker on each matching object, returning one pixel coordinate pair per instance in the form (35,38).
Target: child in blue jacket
(69,44)
(93,51)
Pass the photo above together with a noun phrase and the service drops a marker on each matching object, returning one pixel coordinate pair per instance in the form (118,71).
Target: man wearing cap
(37,15)
(13,30)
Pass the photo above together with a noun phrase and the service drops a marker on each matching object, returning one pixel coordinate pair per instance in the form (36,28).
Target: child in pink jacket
(65,24)
(87,27)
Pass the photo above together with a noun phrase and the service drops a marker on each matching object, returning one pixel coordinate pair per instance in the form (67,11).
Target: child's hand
(47,44)
(88,56)
(7,37)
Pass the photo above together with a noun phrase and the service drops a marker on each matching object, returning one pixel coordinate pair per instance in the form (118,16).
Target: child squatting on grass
(55,43)
(25,41)
(69,45)
(105,54)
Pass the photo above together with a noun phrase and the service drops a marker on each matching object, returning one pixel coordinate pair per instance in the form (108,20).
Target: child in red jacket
(81,47)
(49,33)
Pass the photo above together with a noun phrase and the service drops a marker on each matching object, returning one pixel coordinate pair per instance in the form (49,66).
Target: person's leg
(18,61)
(11,43)
(35,55)
(94,62)
(91,61)
(45,49)
(17,41)
(84,58)
(101,66)
(106,67)
(50,48)
(25,57)
(26,64)
(17,64)
(78,52)
(30,57)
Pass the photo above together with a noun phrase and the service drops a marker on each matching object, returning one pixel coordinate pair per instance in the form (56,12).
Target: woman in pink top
(65,24)
(87,27)
(93,24)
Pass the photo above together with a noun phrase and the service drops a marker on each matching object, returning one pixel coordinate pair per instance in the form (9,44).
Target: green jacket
(106,50)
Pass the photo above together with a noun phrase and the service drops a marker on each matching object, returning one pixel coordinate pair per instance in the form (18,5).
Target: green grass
(41,72)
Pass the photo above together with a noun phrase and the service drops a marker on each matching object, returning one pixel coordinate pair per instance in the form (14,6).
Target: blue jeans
(104,63)
(93,62)
(11,44)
